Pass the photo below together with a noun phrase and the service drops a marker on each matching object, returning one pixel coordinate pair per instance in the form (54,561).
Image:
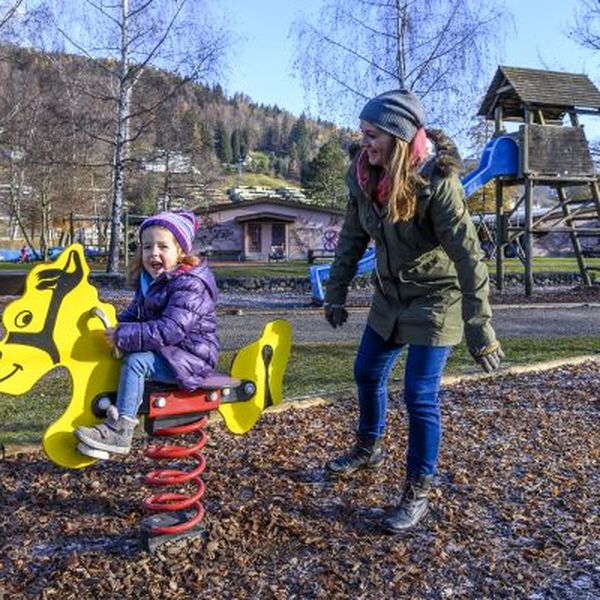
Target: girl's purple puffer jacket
(177,319)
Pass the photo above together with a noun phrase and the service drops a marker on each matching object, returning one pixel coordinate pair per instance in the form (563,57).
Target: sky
(262,65)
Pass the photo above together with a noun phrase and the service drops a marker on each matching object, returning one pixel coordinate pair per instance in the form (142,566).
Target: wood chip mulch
(515,513)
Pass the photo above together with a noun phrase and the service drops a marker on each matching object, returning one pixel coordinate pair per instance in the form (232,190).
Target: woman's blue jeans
(422,377)
(137,367)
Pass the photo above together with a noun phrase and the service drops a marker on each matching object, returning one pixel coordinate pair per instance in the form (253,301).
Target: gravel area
(361,298)
(547,313)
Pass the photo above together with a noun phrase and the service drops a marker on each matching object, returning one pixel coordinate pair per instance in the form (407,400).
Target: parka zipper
(387,253)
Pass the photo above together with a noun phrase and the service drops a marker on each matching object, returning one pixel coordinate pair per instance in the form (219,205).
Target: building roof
(265,216)
(273,202)
(555,92)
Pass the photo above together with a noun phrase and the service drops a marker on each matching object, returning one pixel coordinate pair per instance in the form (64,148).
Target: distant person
(430,283)
(168,332)
(24,254)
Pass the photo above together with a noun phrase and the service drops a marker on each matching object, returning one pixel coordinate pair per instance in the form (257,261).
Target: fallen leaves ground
(515,513)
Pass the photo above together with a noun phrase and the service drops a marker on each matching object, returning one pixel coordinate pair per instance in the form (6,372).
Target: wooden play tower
(551,153)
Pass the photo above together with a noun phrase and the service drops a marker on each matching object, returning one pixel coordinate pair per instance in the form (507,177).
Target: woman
(405,195)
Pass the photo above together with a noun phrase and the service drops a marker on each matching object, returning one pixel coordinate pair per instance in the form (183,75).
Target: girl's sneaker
(114,435)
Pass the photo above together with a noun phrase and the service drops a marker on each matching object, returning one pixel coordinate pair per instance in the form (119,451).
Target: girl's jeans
(137,367)
(424,367)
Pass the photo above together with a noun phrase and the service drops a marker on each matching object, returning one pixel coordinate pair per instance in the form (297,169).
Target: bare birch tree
(586,26)
(585,30)
(441,49)
(124,38)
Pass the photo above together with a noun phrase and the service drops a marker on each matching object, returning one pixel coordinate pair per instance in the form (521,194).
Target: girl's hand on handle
(110,334)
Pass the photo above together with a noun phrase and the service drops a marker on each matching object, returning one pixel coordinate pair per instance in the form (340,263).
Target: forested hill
(58,109)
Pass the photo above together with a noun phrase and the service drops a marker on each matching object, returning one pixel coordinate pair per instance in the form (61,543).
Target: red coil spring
(169,502)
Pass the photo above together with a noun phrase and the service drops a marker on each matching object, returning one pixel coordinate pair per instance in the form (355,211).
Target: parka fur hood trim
(446,161)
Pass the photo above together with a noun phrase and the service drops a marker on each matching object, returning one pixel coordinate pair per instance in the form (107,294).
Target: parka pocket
(429,310)
(433,271)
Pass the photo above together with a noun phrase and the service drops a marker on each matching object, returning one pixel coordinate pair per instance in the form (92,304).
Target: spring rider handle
(98,312)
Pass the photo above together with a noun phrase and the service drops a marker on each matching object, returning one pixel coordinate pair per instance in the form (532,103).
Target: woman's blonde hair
(404,182)
(137,262)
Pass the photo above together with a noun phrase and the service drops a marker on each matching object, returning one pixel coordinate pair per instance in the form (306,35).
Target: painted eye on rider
(23,319)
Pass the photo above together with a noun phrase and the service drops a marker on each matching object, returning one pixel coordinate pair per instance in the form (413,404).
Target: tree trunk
(15,196)
(121,136)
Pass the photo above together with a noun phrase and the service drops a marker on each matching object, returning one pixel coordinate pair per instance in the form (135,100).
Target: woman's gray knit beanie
(398,112)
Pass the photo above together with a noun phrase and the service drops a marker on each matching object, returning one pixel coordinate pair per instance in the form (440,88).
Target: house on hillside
(255,229)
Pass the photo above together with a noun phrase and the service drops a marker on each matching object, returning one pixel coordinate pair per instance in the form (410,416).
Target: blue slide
(500,157)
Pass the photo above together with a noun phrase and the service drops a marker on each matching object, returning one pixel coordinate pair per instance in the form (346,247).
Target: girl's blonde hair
(137,263)
(405,180)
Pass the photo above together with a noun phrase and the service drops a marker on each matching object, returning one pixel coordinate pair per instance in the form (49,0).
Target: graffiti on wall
(331,233)
(219,235)
(310,232)
(330,239)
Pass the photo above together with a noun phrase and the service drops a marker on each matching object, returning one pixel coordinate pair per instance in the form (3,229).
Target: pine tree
(323,178)
(236,144)
(223,144)
(300,138)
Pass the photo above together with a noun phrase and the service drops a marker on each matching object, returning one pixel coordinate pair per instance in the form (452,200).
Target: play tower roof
(555,93)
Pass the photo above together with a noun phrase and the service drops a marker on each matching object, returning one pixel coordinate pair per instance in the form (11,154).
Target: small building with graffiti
(267,228)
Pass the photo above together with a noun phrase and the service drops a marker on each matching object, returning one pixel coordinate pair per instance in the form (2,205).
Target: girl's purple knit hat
(183,225)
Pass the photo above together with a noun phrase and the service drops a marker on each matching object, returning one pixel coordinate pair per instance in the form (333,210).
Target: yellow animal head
(51,325)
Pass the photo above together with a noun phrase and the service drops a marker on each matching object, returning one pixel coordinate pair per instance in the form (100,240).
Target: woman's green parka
(429,280)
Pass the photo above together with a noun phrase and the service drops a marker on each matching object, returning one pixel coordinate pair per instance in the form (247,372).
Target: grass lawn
(314,369)
(290,268)
(257,179)
(545,265)
(300,268)
(10,266)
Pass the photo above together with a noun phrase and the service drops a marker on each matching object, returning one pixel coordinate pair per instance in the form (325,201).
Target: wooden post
(574,118)
(499,130)
(585,276)
(528,236)
(71,229)
(595,196)
(500,235)
(528,225)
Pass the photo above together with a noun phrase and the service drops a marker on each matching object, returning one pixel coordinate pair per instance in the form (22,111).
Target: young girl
(168,332)
(431,284)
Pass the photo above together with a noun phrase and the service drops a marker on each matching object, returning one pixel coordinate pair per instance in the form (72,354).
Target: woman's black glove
(336,314)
